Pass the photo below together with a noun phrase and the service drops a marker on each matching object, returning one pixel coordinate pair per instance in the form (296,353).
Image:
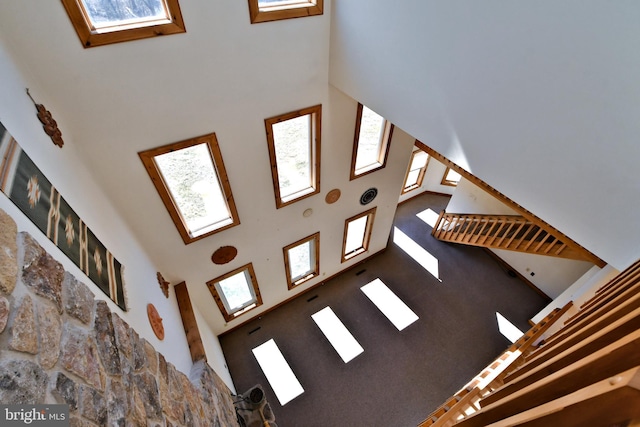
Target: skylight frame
(91,36)
(314,256)
(315,121)
(384,144)
(218,294)
(366,237)
(285,9)
(450,182)
(148,159)
(406,188)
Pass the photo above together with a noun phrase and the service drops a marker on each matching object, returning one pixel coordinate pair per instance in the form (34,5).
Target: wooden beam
(609,361)
(588,256)
(612,401)
(189,322)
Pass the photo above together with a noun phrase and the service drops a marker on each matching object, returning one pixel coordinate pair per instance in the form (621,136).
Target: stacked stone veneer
(59,345)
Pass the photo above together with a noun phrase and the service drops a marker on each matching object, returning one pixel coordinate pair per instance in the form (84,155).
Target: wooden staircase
(585,374)
(510,232)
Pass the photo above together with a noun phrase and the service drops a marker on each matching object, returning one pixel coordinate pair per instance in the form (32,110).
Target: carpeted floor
(401,376)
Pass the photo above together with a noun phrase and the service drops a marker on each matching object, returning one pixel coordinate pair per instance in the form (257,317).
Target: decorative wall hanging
(332,196)
(164,285)
(368,196)
(33,194)
(48,123)
(224,255)
(156,321)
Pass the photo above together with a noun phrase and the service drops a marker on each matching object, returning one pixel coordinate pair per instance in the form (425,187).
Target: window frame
(299,9)
(449,182)
(148,159)
(406,189)
(90,37)
(315,149)
(211,284)
(292,282)
(370,214)
(383,149)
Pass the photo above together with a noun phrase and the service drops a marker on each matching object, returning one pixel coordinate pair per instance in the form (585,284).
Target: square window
(100,22)
(450,177)
(301,260)
(371,142)
(417,169)
(357,233)
(236,292)
(192,182)
(294,151)
(275,10)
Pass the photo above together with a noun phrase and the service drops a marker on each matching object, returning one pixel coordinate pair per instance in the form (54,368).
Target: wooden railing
(466,401)
(510,232)
(585,374)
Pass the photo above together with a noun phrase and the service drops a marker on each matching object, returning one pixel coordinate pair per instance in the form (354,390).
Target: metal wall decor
(164,285)
(48,123)
(368,196)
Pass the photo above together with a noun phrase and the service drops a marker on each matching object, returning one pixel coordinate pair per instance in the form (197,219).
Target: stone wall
(59,345)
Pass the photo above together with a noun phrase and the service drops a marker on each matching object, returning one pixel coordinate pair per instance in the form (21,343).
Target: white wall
(539,99)
(76,185)
(550,274)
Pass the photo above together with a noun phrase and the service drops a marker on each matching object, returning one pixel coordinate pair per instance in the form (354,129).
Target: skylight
(450,177)
(294,150)
(112,14)
(274,10)
(100,22)
(236,292)
(357,232)
(371,142)
(301,260)
(417,168)
(193,186)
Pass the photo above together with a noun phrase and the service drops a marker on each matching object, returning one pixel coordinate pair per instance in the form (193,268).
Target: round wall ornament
(332,196)
(156,321)
(224,255)
(368,196)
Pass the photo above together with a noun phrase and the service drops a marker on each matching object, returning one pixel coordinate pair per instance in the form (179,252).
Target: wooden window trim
(89,37)
(385,145)
(445,181)
(371,214)
(147,158)
(316,268)
(254,283)
(421,174)
(276,13)
(315,141)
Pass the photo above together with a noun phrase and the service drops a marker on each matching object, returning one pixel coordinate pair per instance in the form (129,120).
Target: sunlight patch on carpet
(278,372)
(337,334)
(508,329)
(389,304)
(429,216)
(417,252)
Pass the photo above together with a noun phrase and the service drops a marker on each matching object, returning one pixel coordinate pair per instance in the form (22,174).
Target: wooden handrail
(540,368)
(447,414)
(610,361)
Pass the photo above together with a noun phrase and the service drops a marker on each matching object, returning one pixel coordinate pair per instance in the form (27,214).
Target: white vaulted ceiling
(223,75)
